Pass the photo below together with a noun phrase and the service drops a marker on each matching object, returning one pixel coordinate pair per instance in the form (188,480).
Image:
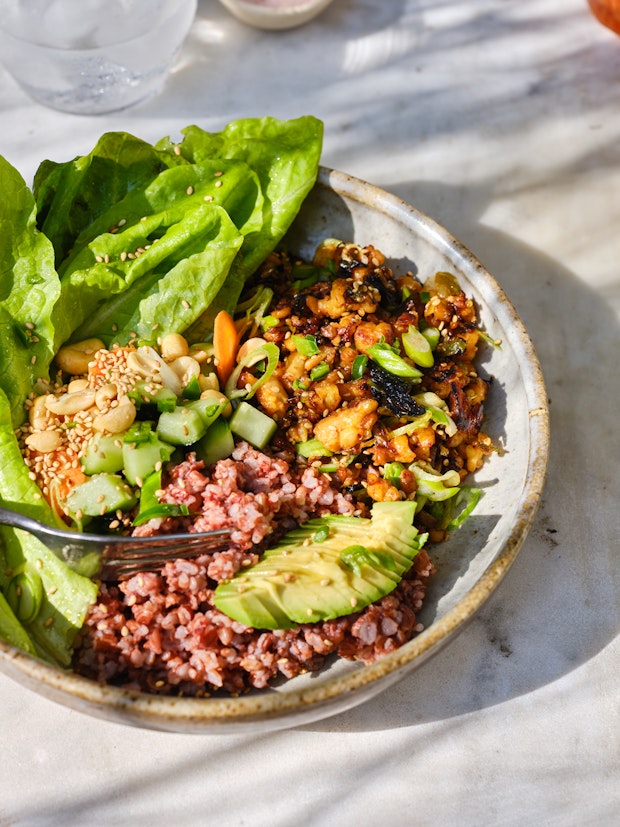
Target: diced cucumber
(183,426)
(218,443)
(252,425)
(103,455)
(139,461)
(143,394)
(99,495)
(209,408)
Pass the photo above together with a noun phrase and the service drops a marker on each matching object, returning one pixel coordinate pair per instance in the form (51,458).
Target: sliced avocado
(327,568)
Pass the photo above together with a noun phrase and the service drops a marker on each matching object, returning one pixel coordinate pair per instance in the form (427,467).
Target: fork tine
(146,558)
(167,546)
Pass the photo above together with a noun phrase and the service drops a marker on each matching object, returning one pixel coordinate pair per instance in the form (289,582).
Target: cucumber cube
(218,443)
(252,425)
(101,494)
(183,426)
(103,455)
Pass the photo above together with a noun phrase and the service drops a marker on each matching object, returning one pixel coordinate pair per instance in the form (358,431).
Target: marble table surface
(501,119)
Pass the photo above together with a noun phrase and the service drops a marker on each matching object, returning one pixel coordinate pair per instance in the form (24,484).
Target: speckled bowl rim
(296,706)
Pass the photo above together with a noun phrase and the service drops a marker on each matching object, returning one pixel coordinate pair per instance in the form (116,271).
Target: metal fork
(113,557)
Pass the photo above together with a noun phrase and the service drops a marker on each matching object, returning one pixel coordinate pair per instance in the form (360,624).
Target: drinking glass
(92,56)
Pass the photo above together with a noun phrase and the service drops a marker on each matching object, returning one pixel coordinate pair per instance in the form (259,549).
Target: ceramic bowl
(275,14)
(470,565)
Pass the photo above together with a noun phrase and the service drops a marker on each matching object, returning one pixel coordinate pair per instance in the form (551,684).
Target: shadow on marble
(558,606)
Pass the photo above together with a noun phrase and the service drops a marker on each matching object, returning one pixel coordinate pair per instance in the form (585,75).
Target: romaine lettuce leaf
(29,287)
(71,195)
(66,595)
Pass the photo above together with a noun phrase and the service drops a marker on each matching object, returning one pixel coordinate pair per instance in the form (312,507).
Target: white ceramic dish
(275,14)
(470,565)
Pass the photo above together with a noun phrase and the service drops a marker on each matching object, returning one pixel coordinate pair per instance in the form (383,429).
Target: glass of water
(92,56)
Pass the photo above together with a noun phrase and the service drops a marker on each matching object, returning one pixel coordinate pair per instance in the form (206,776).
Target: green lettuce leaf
(73,194)
(66,595)
(29,287)
(285,157)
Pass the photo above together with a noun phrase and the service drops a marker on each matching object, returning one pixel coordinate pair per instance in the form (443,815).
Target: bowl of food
(275,14)
(359,404)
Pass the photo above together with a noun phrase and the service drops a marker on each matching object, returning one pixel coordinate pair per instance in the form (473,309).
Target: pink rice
(159,632)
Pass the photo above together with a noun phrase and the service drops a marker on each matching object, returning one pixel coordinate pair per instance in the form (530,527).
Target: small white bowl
(275,14)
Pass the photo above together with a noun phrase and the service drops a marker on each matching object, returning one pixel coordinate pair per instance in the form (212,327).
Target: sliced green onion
(466,500)
(438,410)
(312,448)
(254,309)
(162,510)
(432,335)
(497,343)
(424,296)
(451,347)
(354,557)
(306,345)
(434,486)
(268,352)
(321,534)
(383,354)
(319,371)
(392,472)
(140,433)
(358,368)
(268,322)
(192,389)
(150,507)
(419,422)
(418,348)
(298,385)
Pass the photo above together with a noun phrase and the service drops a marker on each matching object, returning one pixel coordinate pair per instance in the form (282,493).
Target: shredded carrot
(225,345)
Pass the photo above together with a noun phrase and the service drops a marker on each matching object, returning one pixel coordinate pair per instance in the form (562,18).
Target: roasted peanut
(105,394)
(38,412)
(185,369)
(141,363)
(77,385)
(75,358)
(43,441)
(174,345)
(70,403)
(208,381)
(247,347)
(117,419)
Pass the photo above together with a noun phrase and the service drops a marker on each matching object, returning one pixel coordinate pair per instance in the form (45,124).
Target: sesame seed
(208,198)
(218,183)
(122,222)
(177,150)
(189,190)
(218,174)
(185,304)
(98,259)
(48,622)
(29,326)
